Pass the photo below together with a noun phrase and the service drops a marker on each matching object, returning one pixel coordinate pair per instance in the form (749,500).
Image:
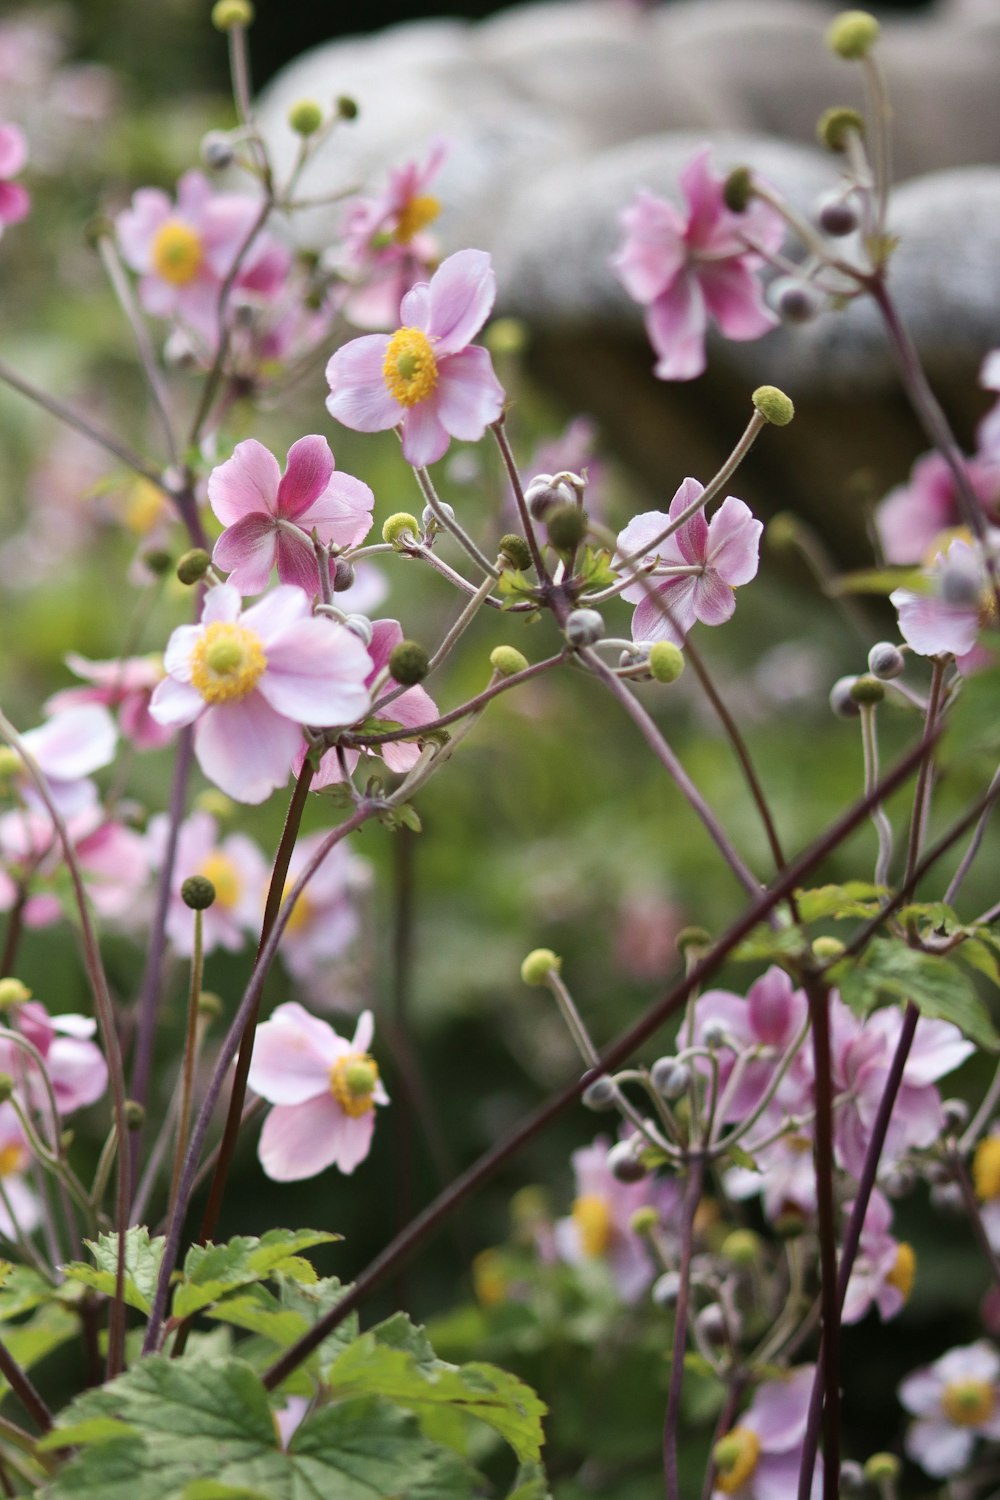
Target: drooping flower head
(427,378)
(269,516)
(696,568)
(687,269)
(955,1400)
(884,1270)
(324,1090)
(15,203)
(249,679)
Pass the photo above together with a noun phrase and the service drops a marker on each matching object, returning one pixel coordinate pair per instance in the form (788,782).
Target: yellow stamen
(144,506)
(968,1403)
(904,1271)
(417,214)
(943,540)
(409,369)
(987,609)
(302,911)
(177,253)
(220,870)
(986,1169)
(12,1158)
(353,1079)
(592,1218)
(735,1458)
(227,662)
(488,1278)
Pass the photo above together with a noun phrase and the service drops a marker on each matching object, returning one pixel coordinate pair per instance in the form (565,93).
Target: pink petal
(281,610)
(180,649)
(462,292)
(669,620)
(359,396)
(469,396)
(690,543)
(776,1010)
(175,703)
(245,748)
(137,225)
(938,1447)
(779,1410)
(15,203)
(703,191)
(316,674)
(734,541)
(933,627)
(247,550)
(425,440)
(713,600)
(386,634)
(342,513)
(297,562)
(676,324)
(292,1056)
(415,307)
(74,743)
(734,298)
(306,476)
(245,484)
(301,1140)
(411,709)
(13,150)
(223,602)
(78,1073)
(654,252)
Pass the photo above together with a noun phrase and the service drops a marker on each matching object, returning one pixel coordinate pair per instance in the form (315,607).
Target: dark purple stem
(671,1420)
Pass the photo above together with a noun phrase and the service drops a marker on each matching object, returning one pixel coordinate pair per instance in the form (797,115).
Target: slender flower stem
(883,828)
(450,640)
(671,1421)
(190,1046)
(450,524)
(978,834)
(983,1115)
(922,791)
(123,291)
(499,431)
(24,1389)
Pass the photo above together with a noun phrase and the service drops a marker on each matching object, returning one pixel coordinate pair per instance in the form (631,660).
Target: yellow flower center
(144,505)
(177,253)
(302,911)
(987,609)
(409,369)
(220,870)
(227,662)
(417,214)
(735,1457)
(12,1158)
(904,1271)
(592,1218)
(968,1403)
(488,1278)
(353,1079)
(986,1169)
(943,540)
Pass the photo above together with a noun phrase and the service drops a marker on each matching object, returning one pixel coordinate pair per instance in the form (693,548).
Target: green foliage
(210,1271)
(973,722)
(890,970)
(142,1266)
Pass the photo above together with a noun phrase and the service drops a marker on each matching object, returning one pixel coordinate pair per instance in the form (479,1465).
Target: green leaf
(767,943)
(211,1489)
(530,1484)
(22,1290)
(741,1158)
(48,1329)
(595,571)
(514,586)
(142,1266)
(210,1271)
(854,899)
(883,581)
(890,970)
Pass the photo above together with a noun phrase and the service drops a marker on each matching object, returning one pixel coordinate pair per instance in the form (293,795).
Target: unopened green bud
(665,661)
(135,1114)
(6,1087)
(882,1466)
(193,566)
(408,663)
(401,531)
(10,762)
(644,1220)
(507,660)
(737,190)
(789,1225)
(867,689)
(157,561)
(98,228)
(305,117)
(827,949)
(198,892)
(506,336)
(834,126)
(66,1140)
(209,1005)
(215,802)
(347,108)
(774,406)
(538,965)
(782,531)
(13,992)
(515,550)
(566,526)
(229,13)
(852,34)
(693,938)
(742,1247)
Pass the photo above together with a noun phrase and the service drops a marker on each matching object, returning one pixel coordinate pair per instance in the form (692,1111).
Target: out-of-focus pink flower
(113,861)
(645,926)
(428,379)
(269,516)
(785,1177)
(325,919)
(884,1268)
(126,684)
(324,1090)
(696,569)
(67,748)
(15,1159)
(955,1400)
(15,202)
(988,431)
(947,619)
(687,269)
(234,865)
(911,518)
(599,1225)
(759,1459)
(759,1030)
(184,251)
(74,1063)
(251,679)
(385,248)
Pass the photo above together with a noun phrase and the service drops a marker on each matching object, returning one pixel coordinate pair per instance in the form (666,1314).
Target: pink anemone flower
(74,1063)
(687,269)
(955,1400)
(21,1213)
(759,1459)
(127,684)
(934,624)
(235,866)
(695,570)
(426,378)
(249,679)
(324,1090)
(324,921)
(67,748)
(269,516)
(884,1269)
(760,1029)
(912,517)
(14,200)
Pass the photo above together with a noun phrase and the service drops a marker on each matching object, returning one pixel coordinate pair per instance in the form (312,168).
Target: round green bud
(157,561)
(193,565)
(229,13)
(347,108)
(827,949)
(305,117)
(782,531)
(882,1466)
(515,550)
(737,190)
(10,762)
(742,1247)
(13,992)
(538,965)
(6,1087)
(789,1225)
(401,531)
(507,660)
(198,892)
(774,406)
(506,336)
(566,526)
(217,803)
(666,661)
(835,125)
(66,1140)
(852,34)
(727,1453)
(135,1114)
(644,1220)
(867,689)
(697,938)
(209,1005)
(98,228)
(408,663)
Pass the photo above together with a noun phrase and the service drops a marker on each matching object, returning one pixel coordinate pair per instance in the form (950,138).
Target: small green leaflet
(210,1271)
(142,1266)
(890,970)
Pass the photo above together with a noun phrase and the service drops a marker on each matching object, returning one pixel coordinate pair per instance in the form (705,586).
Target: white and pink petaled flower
(113,861)
(21,1213)
(883,1271)
(324,921)
(270,517)
(249,679)
(66,749)
(15,203)
(74,1064)
(759,1459)
(324,1090)
(916,516)
(235,866)
(947,619)
(126,684)
(687,269)
(955,1400)
(695,570)
(759,1031)
(428,378)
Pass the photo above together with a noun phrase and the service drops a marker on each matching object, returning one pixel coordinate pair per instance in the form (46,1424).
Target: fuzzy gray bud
(600,1094)
(886,661)
(670,1077)
(837,216)
(841,700)
(216,151)
(584,627)
(623,1163)
(343,575)
(793,300)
